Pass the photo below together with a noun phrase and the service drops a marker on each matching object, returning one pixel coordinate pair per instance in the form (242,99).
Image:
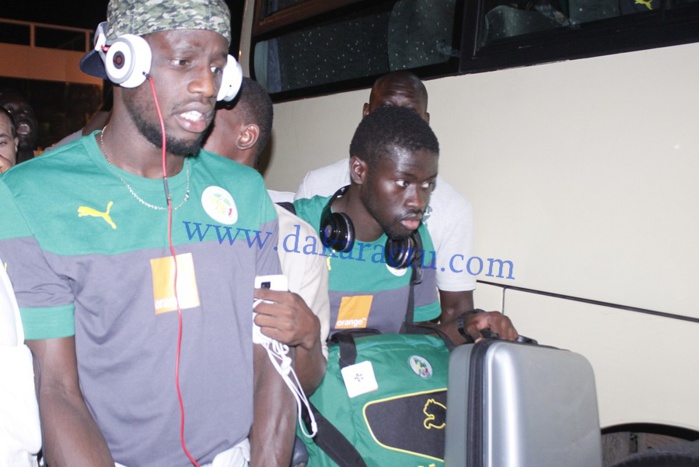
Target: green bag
(402,423)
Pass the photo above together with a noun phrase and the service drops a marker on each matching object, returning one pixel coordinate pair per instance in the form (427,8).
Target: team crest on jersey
(219,205)
(420,366)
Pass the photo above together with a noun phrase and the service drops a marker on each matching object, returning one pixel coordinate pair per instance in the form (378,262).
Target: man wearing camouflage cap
(133,255)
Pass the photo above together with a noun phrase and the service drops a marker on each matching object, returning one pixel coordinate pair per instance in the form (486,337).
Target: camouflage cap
(141,17)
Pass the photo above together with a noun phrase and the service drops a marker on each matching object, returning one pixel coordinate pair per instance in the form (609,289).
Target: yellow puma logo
(646,3)
(86,211)
(436,415)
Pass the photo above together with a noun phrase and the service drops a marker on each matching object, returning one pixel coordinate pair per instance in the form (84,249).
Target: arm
(303,321)
(475,321)
(70,435)
(289,320)
(455,303)
(274,415)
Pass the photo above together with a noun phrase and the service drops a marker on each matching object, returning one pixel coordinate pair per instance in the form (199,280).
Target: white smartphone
(272,282)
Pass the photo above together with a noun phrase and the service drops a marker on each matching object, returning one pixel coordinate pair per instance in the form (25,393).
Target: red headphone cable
(174,258)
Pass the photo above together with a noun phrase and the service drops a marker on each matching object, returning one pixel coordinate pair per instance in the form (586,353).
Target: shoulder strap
(328,438)
(409,326)
(414,279)
(345,341)
(334,443)
(348,349)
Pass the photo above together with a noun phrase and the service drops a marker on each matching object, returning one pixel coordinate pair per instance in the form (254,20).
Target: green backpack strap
(348,349)
(329,438)
(334,443)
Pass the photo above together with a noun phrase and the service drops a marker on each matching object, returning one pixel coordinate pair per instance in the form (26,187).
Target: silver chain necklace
(133,193)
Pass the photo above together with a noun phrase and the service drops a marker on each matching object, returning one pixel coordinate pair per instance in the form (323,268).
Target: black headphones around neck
(337,232)
(336,228)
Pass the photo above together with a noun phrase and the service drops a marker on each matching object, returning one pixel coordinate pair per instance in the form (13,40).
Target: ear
(248,136)
(365,110)
(358,170)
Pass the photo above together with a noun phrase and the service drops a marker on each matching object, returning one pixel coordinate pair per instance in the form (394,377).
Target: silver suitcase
(514,404)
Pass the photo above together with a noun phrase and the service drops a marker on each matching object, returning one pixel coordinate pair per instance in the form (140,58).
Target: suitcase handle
(526,340)
(488,334)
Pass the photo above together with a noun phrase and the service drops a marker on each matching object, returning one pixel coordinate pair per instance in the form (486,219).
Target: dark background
(75,13)
(62,108)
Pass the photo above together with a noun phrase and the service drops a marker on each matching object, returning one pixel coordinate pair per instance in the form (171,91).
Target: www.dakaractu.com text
(293,243)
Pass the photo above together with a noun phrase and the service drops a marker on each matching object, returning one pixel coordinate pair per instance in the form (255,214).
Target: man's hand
(494,321)
(287,319)
(474,323)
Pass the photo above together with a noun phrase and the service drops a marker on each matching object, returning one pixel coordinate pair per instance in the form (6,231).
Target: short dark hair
(405,77)
(255,106)
(13,125)
(389,127)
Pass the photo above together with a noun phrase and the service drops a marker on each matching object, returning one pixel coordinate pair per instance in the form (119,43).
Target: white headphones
(128,59)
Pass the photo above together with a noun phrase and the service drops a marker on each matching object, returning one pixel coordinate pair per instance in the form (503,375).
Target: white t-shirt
(20,432)
(307,273)
(281,196)
(449,219)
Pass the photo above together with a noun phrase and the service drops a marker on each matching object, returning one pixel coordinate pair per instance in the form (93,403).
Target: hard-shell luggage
(521,405)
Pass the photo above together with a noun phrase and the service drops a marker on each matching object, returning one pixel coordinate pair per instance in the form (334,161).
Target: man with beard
(26,123)
(133,254)
(373,224)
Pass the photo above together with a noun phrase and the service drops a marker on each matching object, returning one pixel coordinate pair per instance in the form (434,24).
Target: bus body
(583,179)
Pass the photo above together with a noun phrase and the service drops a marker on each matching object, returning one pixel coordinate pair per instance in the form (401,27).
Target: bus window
(325,53)
(304,48)
(508,18)
(387,36)
(273,6)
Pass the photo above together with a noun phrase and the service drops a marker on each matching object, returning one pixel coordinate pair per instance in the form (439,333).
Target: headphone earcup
(231,80)
(337,232)
(128,61)
(402,253)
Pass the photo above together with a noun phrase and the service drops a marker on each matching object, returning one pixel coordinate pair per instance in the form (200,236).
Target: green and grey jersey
(89,256)
(364,291)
